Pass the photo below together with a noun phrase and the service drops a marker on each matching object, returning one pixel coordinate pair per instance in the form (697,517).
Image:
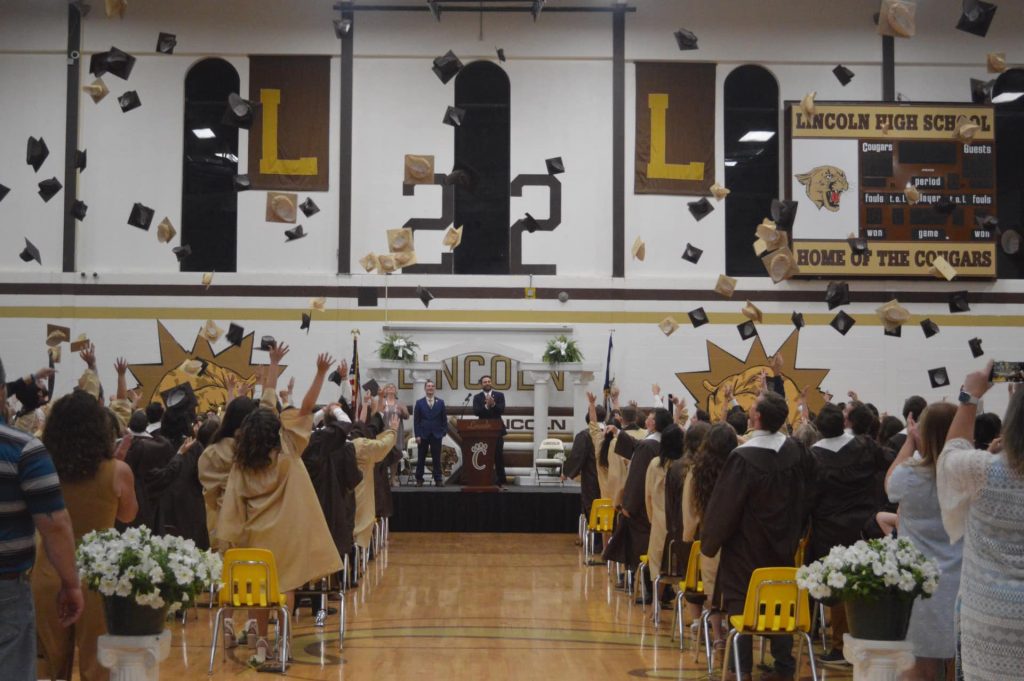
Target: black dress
(582,462)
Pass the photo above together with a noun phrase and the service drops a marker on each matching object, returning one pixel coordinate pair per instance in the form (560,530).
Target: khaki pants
(56,643)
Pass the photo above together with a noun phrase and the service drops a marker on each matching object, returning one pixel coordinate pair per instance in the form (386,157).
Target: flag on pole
(357,393)
(608,380)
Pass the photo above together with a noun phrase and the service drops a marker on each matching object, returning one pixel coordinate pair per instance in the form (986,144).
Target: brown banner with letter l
(288,141)
(675,128)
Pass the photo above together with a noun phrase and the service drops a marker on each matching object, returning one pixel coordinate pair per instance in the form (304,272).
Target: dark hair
(861,419)
(773,410)
(598,412)
(986,429)
(138,421)
(719,443)
(703,416)
(830,421)
(737,418)
(889,426)
(695,436)
(258,438)
(154,412)
(671,448)
(629,413)
(78,436)
(207,430)
(176,425)
(662,419)
(914,404)
(234,414)
(486,376)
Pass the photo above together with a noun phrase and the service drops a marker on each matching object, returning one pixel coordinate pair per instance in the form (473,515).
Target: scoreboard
(848,166)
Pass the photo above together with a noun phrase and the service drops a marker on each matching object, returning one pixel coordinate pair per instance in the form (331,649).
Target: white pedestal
(877,660)
(134,658)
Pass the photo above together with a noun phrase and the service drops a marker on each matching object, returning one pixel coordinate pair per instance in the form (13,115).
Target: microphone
(465,402)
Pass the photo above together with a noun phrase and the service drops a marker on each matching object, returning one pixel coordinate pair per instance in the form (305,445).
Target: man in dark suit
(490,404)
(430,423)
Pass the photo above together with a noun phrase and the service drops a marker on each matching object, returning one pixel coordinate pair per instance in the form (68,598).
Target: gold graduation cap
(941,269)
(639,249)
(318,304)
(207,279)
(725,286)
(912,193)
(769,238)
(893,315)
(668,326)
(452,237)
(897,18)
(97,90)
(116,7)
(718,191)
(165,231)
(418,169)
(996,62)
(191,367)
(966,129)
(400,240)
(807,104)
(80,343)
(781,264)
(752,312)
(386,263)
(211,332)
(55,335)
(281,207)
(369,262)
(404,259)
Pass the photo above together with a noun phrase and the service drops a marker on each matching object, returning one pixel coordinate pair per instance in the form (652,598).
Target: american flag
(357,393)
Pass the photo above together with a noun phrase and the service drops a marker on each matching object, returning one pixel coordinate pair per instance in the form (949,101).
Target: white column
(877,660)
(541,380)
(580,381)
(133,658)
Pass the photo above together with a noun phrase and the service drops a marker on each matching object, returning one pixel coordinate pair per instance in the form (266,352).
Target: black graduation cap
(31,253)
(424,295)
(4,191)
(938,377)
(267,343)
(453,116)
(692,254)
(929,327)
(536,7)
(784,213)
(462,177)
(698,317)
(342,28)
(367,296)
(981,90)
(235,334)
(129,100)
(37,153)
(334,377)
(976,17)
(501,54)
(182,252)
(895,331)
(958,302)
(838,293)
(80,159)
(435,10)
(944,206)
(975,345)
(700,209)
(446,66)
(78,209)
(530,224)
(306,321)
(238,112)
(686,40)
(165,43)
(858,244)
(798,320)
(308,207)
(842,322)
(843,75)
(113,61)
(555,165)
(49,188)
(372,386)
(141,216)
(180,396)
(296,233)
(242,183)
(747,329)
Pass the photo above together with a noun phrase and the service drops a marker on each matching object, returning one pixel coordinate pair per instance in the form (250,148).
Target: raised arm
(976,385)
(323,364)
(121,366)
(907,450)
(270,374)
(591,407)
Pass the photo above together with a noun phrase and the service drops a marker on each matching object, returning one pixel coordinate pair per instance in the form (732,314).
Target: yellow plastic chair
(250,582)
(775,606)
(691,590)
(598,520)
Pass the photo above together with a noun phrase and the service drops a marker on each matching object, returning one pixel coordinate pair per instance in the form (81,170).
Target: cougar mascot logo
(824,185)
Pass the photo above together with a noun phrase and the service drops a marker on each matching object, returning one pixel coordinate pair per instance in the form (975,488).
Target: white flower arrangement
(869,569)
(156,571)
(393,347)
(561,349)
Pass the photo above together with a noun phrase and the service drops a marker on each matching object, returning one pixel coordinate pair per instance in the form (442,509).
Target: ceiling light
(730,164)
(203,133)
(758,136)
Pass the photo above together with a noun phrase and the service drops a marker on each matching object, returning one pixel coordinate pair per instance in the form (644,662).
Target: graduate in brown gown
(330,460)
(582,463)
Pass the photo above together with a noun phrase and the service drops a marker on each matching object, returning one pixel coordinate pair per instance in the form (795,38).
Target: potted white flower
(396,347)
(877,581)
(562,349)
(142,577)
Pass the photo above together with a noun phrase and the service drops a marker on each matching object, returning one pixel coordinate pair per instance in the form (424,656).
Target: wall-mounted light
(203,133)
(757,136)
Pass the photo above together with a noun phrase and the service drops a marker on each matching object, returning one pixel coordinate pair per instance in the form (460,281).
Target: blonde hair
(931,431)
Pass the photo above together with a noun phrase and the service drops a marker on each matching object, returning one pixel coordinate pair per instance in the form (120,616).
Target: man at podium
(490,404)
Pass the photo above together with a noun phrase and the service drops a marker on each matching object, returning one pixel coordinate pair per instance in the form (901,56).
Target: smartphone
(1007,372)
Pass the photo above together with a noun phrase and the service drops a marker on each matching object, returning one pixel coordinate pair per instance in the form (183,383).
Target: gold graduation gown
(654,496)
(369,452)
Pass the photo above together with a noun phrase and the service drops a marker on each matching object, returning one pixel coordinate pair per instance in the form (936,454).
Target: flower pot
(125,617)
(883,618)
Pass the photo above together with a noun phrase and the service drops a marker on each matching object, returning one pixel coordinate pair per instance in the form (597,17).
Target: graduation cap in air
(78,209)
(938,377)
(453,116)
(211,332)
(929,327)
(193,367)
(747,329)
(784,213)
(692,254)
(941,269)
(1009,240)
(30,253)
(639,249)
(555,165)
(180,396)
(372,386)
(807,104)
(893,315)
(838,293)
(958,302)
(995,62)
(342,28)
(366,296)
(56,334)
(182,252)
(944,206)
(238,112)
(116,8)
(780,264)
(165,43)
(334,377)
(308,207)
(843,75)
(975,345)
(897,18)
(165,231)
(49,188)
(235,334)
(981,90)
(241,183)
(698,317)
(267,343)
(141,216)
(207,279)
(798,320)
(501,54)
(752,312)
(686,40)
(976,17)
(536,8)
(912,193)
(858,244)
(424,295)
(452,237)
(718,191)
(369,262)
(97,90)
(895,331)
(81,158)
(129,100)
(307,319)
(700,209)
(296,233)
(4,191)
(842,322)
(446,66)
(113,61)
(668,326)
(36,153)
(531,225)
(385,263)
(725,286)
(400,240)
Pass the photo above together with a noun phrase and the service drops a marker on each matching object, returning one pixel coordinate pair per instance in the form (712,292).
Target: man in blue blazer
(490,404)
(430,424)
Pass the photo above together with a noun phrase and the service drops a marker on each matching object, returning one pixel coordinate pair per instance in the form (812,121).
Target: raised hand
(121,366)
(977,382)
(912,431)
(777,364)
(277,352)
(343,369)
(323,362)
(88,355)
(46,372)
(186,445)
(591,397)
(852,394)
(393,421)
(291,385)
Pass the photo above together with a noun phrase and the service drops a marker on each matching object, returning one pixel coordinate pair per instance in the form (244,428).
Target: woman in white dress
(982,499)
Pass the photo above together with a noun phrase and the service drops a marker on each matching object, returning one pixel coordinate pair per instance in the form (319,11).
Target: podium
(479,442)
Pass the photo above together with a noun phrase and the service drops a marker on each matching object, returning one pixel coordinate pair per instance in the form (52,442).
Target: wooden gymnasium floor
(470,606)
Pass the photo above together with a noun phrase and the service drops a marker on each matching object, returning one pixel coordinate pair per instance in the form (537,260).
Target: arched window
(209,205)
(1008,99)
(751,101)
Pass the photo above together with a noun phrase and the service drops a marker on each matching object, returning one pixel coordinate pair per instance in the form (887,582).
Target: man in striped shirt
(30,501)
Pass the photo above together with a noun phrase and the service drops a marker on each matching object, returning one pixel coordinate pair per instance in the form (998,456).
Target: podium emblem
(479,449)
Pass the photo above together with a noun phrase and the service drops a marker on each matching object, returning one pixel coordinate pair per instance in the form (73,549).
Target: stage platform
(513,509)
